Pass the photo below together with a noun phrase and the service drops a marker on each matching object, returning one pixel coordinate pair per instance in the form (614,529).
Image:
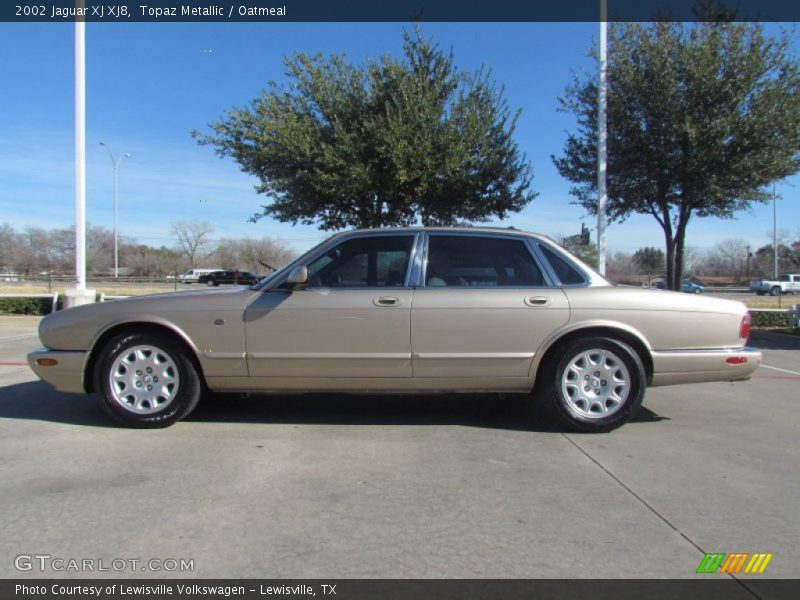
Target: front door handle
(537,301)
(386,301)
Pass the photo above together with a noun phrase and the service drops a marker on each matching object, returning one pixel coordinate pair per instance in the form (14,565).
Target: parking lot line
(14,338)
(781,370)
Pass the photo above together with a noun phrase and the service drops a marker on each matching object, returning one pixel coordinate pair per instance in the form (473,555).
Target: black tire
(563,409)
(775,291)
(698,291)
(216,284)
(189,386)
(760,293)
(209,283)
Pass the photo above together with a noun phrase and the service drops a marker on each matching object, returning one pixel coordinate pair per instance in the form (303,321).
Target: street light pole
(602,139)
(774,235)
(116,204)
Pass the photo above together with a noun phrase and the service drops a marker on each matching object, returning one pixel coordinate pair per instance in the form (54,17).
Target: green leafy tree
(701,118)
(650,259)
(587,252)
(392,142)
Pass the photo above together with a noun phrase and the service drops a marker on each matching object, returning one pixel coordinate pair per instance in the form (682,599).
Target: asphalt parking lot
(423,487)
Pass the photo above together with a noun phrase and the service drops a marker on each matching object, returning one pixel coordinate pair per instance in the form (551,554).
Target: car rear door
(483,307)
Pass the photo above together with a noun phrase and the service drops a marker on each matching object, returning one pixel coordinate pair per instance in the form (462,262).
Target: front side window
(474,261)
(379,261)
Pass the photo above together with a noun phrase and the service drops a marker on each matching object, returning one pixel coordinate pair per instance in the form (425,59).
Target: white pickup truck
(788,284)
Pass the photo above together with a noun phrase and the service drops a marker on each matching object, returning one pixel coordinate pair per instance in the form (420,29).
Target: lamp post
(602,140)
(116,162)
(774,234)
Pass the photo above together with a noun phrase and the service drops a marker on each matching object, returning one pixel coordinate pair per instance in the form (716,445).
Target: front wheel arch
(135,327)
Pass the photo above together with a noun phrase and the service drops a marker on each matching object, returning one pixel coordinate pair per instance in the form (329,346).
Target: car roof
(440,229)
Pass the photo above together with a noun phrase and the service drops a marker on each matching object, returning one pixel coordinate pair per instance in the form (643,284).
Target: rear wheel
(593,384)
(146,380)
(775,291)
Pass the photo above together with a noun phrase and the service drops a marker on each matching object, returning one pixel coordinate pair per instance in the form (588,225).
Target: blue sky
(150,84)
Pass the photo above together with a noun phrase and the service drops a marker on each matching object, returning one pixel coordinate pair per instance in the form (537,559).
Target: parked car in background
(405,310)
(688,286)
(235,277)
(788,284)
(192,275)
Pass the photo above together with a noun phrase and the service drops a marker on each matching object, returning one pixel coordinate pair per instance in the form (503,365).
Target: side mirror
(298,276)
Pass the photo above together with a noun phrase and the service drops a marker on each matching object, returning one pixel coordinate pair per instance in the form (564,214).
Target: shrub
(26,306)
(769,319)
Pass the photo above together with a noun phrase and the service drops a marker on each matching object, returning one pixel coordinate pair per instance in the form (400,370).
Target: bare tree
(624,268)
(729,259)
(192,237)
(255,255)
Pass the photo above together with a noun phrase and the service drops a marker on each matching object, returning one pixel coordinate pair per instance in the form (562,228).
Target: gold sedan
(403,311)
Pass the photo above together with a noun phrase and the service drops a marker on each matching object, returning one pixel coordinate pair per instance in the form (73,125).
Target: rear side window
(474,261)
(566,273)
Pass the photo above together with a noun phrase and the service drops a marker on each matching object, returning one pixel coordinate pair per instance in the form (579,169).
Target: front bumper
(695,366)
(66,375)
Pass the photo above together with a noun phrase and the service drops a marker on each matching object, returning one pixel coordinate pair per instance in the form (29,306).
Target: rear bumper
(66,375)
(694,366)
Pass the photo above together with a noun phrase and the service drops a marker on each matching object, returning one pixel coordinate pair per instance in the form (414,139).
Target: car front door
(351,320)
(483,308)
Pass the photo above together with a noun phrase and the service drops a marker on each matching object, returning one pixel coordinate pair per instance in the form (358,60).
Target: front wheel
(594,384)
(146,380)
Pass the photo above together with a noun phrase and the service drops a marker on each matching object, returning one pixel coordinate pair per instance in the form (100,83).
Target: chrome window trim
(526,240)
(341,238)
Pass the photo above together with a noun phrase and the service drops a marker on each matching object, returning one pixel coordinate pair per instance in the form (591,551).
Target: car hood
(76,328)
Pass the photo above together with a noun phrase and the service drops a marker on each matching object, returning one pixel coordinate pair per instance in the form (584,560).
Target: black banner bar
(713,588)
(166,11)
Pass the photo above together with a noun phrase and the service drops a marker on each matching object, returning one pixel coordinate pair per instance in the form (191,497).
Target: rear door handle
(386,301)
(537,301)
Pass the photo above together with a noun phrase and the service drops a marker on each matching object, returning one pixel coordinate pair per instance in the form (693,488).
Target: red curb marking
(7,363)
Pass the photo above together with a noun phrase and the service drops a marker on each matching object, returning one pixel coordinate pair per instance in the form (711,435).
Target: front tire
(593,384)
(146,380)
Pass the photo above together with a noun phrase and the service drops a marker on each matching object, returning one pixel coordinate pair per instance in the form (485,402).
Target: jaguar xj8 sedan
(416,310)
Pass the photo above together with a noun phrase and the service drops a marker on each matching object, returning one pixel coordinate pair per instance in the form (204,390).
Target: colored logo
(735,562)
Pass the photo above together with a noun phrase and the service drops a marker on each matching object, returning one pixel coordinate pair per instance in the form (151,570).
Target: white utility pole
(80,155)
(774,234)
(80,295)
(116,162)
(602,138)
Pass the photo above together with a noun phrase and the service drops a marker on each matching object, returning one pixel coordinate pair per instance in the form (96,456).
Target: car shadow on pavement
(37,401)
(492,411)
(773,340)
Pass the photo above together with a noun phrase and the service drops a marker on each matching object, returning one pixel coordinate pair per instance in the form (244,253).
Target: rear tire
(146,380)
(775,291)
(592,384)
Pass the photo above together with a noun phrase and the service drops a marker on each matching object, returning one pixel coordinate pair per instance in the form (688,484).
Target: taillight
(744,329)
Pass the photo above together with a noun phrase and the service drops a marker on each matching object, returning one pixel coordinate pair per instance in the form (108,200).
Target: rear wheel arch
(135,327)
(552,352)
